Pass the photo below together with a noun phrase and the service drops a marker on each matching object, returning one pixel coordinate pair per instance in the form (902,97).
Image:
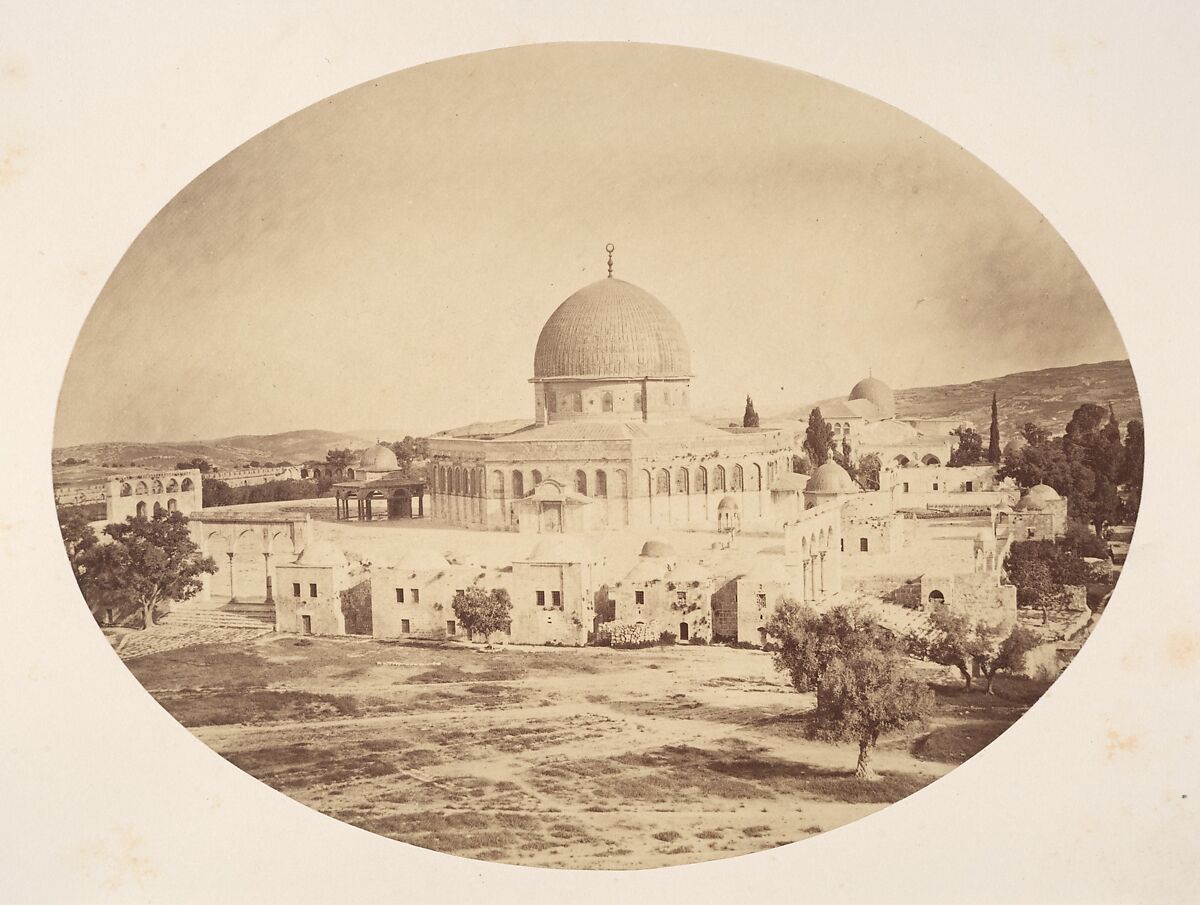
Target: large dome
(608,329)
(878,394)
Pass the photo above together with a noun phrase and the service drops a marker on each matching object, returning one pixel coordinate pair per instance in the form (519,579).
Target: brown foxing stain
(1118,743)
(14,70)
(118,859)
(1183,649)
(10,163)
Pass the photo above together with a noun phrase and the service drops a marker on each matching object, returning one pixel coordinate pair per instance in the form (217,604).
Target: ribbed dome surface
(611,328)
(878,393)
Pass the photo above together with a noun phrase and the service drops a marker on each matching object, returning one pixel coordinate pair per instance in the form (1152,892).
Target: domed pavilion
(379,481)
(612,442)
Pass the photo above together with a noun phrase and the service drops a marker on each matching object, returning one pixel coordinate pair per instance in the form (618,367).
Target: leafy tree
(969,450)
(216,493)
(149,562)
(956,639)
(856,668)
(1034,434)
(339,458)
(750,417)
(1010,657)
(1079,539)
(1134,460)
(818,438)
(199,462)
(868,471)
(80,541)
(409,451)
(801,464)
(993,453)
(483,610)
(1042,571)
(843,458)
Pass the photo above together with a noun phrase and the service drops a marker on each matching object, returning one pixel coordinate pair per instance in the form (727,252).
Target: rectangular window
(842,545)
(399,595)
(541,598)
(862,545)
(970,486)
(681,597)
(295,589)
(312,590)
(416,595)
(405,627)
(906,486)
(639,597)
(762,601)
(556,599)
(451,628)
(935,485)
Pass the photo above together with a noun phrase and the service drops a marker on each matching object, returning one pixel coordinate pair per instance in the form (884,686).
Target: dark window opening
(295,589)
(399,595)
(312,590)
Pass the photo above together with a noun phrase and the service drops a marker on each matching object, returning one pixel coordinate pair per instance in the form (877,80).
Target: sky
(386,257)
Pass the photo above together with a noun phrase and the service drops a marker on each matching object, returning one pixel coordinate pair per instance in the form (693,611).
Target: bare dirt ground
(580,758)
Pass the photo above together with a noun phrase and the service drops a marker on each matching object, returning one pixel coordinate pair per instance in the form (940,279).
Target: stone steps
(221,618)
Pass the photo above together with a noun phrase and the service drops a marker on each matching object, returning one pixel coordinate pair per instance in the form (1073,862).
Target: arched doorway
(683,631)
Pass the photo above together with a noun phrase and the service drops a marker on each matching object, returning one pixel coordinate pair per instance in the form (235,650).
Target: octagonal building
(612,442)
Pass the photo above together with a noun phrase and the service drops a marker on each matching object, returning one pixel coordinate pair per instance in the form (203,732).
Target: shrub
(697,639)
(666,836)
(667,637)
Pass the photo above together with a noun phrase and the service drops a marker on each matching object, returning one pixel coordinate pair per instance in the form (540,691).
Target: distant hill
(1046,397)
(226,452)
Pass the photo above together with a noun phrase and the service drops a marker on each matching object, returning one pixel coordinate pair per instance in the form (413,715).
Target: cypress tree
(994,439)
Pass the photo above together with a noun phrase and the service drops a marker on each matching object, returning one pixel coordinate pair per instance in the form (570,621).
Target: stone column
(232,598)
(822,574)
(267,564)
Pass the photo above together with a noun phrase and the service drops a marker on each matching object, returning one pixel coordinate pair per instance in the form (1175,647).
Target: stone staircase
(188,626)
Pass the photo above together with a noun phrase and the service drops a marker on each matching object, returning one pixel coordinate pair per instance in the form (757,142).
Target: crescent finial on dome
(610,248)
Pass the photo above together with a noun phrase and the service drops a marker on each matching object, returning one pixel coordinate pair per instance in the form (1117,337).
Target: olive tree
(857,669)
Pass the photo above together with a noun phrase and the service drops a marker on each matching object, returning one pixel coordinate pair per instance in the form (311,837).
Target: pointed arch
(601,483)
(737,483)
(682,482)
(718,483)
(701,479)
(581,482)
(518,483)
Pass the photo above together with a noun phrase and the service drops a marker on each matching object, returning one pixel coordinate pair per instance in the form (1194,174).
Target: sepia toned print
(559,508)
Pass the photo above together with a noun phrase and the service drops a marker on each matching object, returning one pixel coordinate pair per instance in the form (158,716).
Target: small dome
(378,458)
(1037,497)
(611,329)
(728,504)
(321,553)
(878,394)
(416,560)
(830,478)
(557,548)
(658,549)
